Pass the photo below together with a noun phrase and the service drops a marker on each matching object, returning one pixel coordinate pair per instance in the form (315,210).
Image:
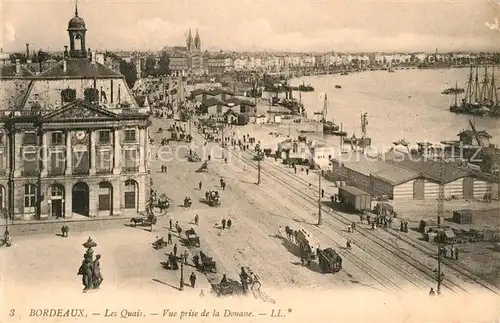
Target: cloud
(9,32)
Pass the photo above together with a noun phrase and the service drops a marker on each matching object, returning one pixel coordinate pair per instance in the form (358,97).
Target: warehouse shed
(455,178)
(358,199)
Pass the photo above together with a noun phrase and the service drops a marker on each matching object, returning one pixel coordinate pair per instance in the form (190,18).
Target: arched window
(30,198)
(130,194)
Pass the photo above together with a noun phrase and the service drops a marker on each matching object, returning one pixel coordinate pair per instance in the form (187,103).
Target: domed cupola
(76,30)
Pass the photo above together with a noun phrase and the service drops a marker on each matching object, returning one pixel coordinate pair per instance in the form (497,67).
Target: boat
(329,127)
(303,88)
(364,141)
(480,98)
(337,86)
(453,90)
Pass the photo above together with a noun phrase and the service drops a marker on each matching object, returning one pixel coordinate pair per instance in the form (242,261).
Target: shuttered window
(104,160)
(129,194)
(29,138)
(30,161)
(104,197)
(2,164)
(57,162)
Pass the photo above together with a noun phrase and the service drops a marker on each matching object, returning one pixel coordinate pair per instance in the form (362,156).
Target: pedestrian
(353,225)
(175,249)
(456,254)
(322,193)
(223,224)
(223,186)
(170,223)
(401,227)
(229,223)
(186,256)
(349,228)
(200,185)
(169,238)
(432,292)
(196,219)
(307,171)
(310,185)
(332,198)
(176,225)
(209,157)
(192,279)
(373,225)
(294,169)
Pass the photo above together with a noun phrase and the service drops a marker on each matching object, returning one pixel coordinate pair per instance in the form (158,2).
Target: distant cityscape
(191,60)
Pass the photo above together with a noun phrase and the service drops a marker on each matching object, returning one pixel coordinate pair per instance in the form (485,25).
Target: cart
(193,240)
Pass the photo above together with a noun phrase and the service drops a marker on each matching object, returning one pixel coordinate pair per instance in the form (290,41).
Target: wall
(454,188)
(48,92)
(431,190)
(403,191)
(480,188)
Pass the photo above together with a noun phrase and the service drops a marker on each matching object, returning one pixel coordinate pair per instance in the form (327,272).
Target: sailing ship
(329,127)
(481,98)
(364,141)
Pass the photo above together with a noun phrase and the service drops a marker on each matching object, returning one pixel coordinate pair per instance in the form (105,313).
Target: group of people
(451,252)
(226,223)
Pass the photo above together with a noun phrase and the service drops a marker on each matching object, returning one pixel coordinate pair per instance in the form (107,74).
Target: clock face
(80,135)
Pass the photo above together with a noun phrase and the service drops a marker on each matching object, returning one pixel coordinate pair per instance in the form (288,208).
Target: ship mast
(468,91)
(364,123)
(325,107)
(493,96)
(483,94)
(456,93)
(476,86)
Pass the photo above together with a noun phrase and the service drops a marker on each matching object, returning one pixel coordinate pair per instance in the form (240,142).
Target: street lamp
(182,276)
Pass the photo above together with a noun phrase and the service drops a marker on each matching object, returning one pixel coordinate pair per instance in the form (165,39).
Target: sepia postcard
(250,161)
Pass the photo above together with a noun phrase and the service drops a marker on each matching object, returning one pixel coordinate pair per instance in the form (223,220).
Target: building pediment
(81,111)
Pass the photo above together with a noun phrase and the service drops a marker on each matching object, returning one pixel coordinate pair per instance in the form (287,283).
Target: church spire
(76,8)
(197,41)
(189,40)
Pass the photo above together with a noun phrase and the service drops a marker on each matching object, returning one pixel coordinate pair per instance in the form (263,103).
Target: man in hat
(175,250)
(196,219)
(192,279)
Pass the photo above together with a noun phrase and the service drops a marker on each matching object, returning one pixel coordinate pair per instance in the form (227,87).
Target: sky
(258,25)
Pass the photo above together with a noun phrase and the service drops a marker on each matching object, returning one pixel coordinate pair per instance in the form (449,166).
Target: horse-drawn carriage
(162,202)
(204,167)
(205,263)
(193,240)
(329,260)
(159,244)
(187,202)
(142,220)
(249,279)
(194,157)
(213,198)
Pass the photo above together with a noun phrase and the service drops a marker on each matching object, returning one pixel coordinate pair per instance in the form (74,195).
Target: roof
(9,71)
(431,169)
(197,92)
(238,101)
(213,101)
(78,68)
(396,175)
(353,190)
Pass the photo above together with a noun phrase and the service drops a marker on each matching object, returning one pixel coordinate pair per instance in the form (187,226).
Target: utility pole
(440,211)
(320,219)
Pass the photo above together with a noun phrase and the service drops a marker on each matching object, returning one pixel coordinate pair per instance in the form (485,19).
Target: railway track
(419,266)
(423,249)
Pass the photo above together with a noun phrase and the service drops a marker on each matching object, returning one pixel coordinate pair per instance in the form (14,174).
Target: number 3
(12,312)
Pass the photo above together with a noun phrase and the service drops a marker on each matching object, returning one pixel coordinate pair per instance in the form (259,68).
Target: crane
(480,143)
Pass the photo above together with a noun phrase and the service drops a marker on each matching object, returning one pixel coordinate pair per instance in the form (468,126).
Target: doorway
(56,201)
(80,199)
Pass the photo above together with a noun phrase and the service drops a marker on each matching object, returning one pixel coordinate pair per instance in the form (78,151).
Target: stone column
(7,159)
(93,151)
(45,155)
(117,197)
(141,183)
(142,145)
(117,153)
(68,199)
(17,145)
(69,154)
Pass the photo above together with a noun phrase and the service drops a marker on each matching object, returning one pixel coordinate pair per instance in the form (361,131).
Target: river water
(407,104)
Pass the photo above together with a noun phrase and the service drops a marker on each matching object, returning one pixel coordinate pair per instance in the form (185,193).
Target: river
(407,104)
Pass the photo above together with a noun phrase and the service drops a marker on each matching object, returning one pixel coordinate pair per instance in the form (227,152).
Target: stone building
(74,141)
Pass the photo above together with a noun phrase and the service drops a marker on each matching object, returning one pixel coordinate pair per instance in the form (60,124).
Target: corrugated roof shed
(431,169)
(353,190)
(396,175)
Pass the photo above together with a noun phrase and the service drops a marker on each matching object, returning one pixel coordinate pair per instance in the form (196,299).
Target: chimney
(93,57)
(65,51)
(27,51)
(18,66)
(89,52)
(64,66)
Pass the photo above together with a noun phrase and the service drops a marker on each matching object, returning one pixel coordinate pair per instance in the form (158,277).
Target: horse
(289,232)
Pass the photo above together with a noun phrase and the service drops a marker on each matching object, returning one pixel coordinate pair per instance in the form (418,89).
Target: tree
(129,71)
(13,57)
(150,68)
(164,65)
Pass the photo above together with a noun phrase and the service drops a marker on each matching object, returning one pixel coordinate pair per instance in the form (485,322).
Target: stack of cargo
(462,216)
